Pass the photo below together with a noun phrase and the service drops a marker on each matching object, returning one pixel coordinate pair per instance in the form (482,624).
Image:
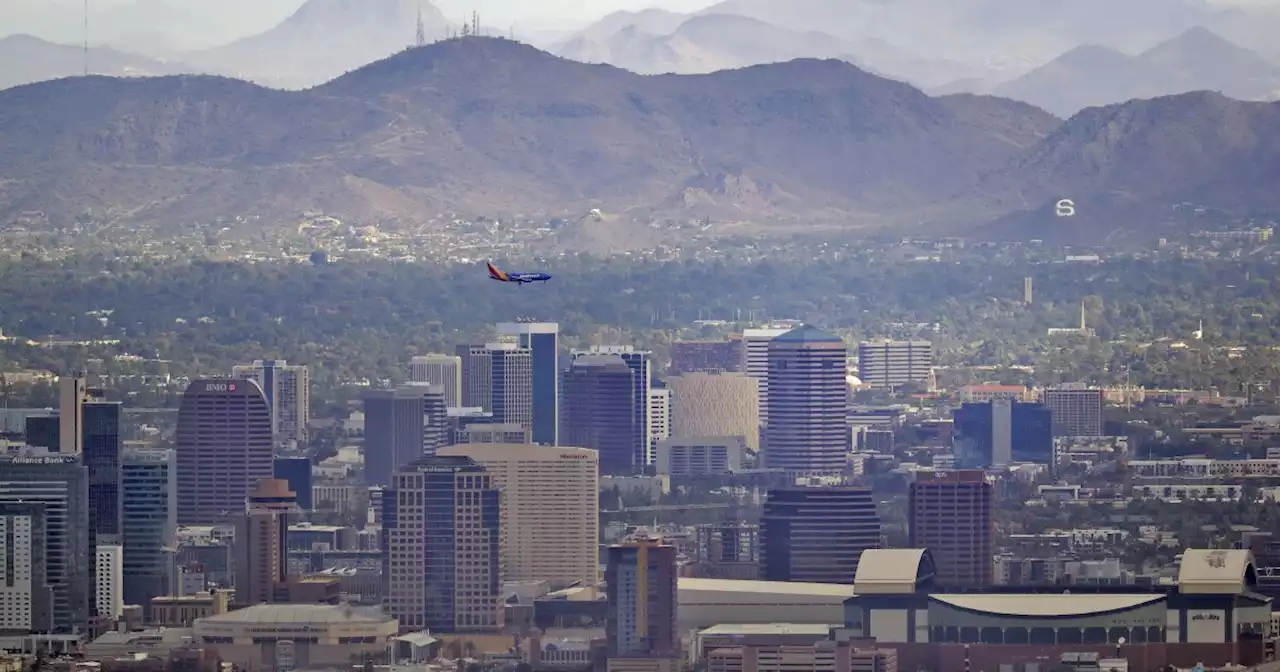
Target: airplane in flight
(518,278)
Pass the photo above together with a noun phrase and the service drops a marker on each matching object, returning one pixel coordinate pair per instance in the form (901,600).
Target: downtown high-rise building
(542,339)
(89,427)
(817,534)
(807,430)
(101,446)
(1001,432)
(715,404)
(1076,409)
(640,363)
(550,509)
(498,378)
(59,486)
(401,426)
(262,544)
(108,580)
(442,547)
(729,355)
(26,596)
(475,376)
(150,514)
(442,370)
(756,350)
(224,447)
(288,392)
(599,412)
(953,515)
(659,418)
(73,392)
(890,364)
(510,384)
(640,580)
(296,471)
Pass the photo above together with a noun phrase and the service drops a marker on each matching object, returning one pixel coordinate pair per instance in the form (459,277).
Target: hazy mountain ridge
(492,126)
(1093,75)
(659,42)
(977,30)
(1123,165)
(486,126)
(30,59)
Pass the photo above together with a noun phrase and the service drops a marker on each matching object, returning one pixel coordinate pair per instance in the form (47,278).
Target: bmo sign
(220,387)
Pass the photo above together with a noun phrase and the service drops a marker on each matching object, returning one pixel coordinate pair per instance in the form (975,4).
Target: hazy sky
(210,22)
(59,20)
(555,11)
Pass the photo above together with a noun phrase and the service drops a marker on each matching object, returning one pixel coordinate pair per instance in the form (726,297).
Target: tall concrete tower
(807,427)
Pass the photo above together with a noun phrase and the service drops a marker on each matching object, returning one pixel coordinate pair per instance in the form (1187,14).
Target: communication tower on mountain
(421,39)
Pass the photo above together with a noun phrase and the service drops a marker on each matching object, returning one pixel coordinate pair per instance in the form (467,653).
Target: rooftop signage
(220,387)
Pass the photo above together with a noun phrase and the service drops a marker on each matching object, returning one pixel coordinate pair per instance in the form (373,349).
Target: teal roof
(807,333)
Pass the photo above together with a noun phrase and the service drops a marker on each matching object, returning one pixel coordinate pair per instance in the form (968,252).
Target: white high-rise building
(659,419)
(288,391)
(25,595)
(550,509)
(442,370)
(888,364)
(757,345)
(109,581)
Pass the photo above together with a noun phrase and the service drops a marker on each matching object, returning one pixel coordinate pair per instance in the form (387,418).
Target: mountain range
(659,42)
(31,59)
(1198,59)
(978,46)
(490,126)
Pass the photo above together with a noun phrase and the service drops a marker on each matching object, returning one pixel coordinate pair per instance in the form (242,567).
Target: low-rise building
(269,636)
(182,611)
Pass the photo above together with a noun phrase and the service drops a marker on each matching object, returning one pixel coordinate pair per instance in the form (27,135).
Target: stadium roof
(892,570)
(1216,571)
(764,587)
(1047,606)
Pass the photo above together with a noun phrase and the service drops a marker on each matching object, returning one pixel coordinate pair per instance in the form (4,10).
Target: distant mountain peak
(363,12)
(23,39)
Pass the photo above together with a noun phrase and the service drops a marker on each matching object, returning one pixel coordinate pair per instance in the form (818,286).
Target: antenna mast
(86,38)
(421,39)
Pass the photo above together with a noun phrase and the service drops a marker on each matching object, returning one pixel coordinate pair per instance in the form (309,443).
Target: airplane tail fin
(495,273)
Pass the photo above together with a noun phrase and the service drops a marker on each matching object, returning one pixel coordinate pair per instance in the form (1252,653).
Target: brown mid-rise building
(641,581)
(261,544)
(952,514)
(224,447)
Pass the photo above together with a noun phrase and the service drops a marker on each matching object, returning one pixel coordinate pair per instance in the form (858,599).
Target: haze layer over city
(629,336)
